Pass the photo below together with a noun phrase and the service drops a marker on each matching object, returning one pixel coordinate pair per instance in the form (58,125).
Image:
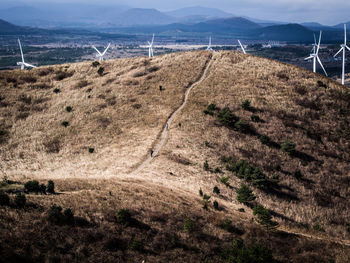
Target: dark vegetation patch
(179,159)
(61,75)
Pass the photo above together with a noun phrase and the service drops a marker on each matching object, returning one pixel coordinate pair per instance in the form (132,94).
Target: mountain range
(122,19)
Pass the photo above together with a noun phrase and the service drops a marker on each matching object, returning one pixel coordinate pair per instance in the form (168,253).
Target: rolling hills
(280,130)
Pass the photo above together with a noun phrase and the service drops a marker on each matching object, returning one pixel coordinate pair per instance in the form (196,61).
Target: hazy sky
(324,11)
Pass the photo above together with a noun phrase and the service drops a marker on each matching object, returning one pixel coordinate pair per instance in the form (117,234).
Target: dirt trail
(165,131)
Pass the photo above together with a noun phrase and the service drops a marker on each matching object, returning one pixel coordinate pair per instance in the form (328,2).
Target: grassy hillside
(278,129)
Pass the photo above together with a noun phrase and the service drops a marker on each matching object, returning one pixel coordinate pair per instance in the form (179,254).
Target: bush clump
(56,90)
(210,109)
(50,188)
(56,216)
(288,146)
(61,75)
(216,190)
(264,139)
(227,118)
(264,216)
(34,186)
(245,194)
(239,252)
(246,105)
(69,109)
(65,123)
(318,227)
(91,150)
(206,165)
(189,225)
(4,199)
(100,71)
(224,180)
(95,64)
(216,205)
(123,216)
(249,173)
(20,200)
(297,174)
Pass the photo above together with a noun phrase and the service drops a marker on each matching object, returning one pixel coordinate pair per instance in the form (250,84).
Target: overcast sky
(328,12)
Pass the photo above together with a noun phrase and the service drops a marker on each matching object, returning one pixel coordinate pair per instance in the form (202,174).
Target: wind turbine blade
(345,34)
(97,50)
(308,58)
(340,50)
(319,43)
(242,47)
(20,47)
(347,48)
(29,65)
(315,39)
(319,61)
(152,39)
(104,52)
(149,43)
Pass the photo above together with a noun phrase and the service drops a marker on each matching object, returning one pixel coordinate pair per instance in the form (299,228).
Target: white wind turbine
(314,56)
(343,48)
(23,64)
(209,46)
(242,47)
(100,55)
(150,48)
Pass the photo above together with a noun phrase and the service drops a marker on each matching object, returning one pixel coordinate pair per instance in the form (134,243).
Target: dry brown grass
(121,115)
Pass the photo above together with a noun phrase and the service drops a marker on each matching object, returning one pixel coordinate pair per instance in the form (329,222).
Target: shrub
(65,123)
(206,165)
(216,190)
(91,150)
(55,214)
(297,174)
(100,71)
(50,188)
(255,118)
(189,225)
(288,146)
(200,192)
(227,118)
(56,90)
(123,216)
(32,186)
(321,84)
(4,198)
(224,180)
(241,210)
(246,105)
(218,170)
(42,188)
(53,145)
(20,200)
(95,64)
(245,194)
(318,227)
(68,216)
(207,144)
(264,139)
(210,109)
(216,205)
(136,245)
(264,216)
(61,75)
(160,87)
(4,135)
(206,197)
(243,126)
(69,109)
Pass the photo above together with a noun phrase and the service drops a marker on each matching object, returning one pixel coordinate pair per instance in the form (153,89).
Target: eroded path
(165,131)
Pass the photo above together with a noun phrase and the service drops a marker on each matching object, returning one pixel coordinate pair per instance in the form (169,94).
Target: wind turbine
(209,46)
(23,64)
(314,56)
(343,48)
(242,47)
(314,45)
(100,55)
(150,48)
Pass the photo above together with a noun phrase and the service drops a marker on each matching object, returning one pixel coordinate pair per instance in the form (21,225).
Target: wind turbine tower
(100,55)
(209,46)
(150,48)
(242,47)
(343,48)
(22,63)
(315,58)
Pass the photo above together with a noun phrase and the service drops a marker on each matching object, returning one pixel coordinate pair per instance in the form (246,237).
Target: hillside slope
(91,131)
